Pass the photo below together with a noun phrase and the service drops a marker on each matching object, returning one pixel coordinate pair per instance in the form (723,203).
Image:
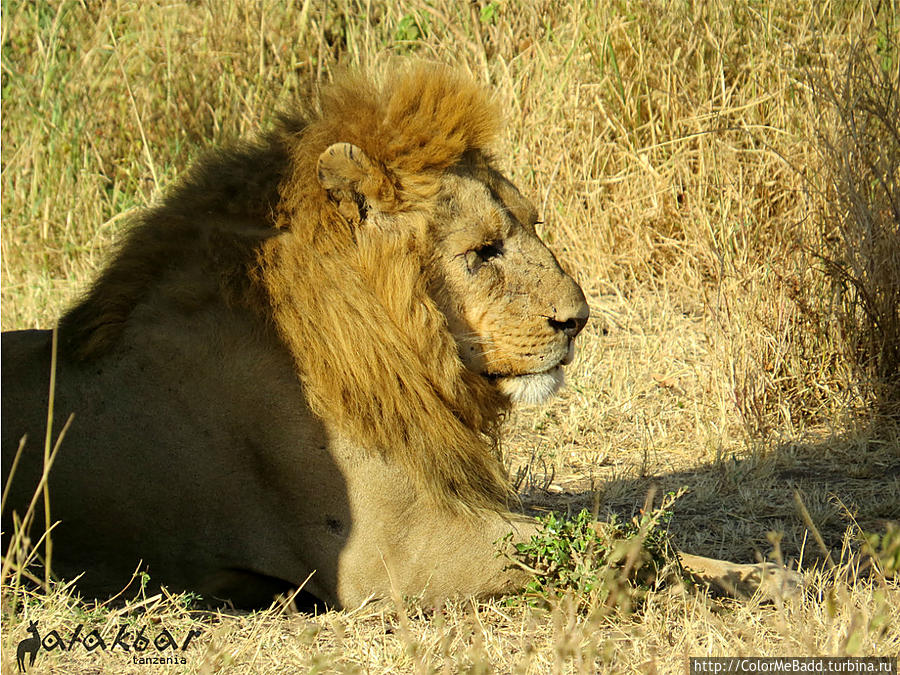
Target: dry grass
(694,168)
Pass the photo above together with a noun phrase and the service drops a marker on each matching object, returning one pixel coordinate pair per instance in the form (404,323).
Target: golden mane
(350,303)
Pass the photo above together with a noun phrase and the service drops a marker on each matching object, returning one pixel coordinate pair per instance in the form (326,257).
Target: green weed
(600,563)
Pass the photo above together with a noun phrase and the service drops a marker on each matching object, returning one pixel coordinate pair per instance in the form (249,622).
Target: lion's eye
(488,251)
(476,257)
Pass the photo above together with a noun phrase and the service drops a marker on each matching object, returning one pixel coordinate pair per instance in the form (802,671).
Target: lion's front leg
(743,580)
(433,556)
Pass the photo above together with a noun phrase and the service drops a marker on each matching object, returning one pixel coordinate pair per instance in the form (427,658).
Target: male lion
(296,365)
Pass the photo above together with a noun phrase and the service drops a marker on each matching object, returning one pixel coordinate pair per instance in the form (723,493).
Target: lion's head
(511,309)
(397,265)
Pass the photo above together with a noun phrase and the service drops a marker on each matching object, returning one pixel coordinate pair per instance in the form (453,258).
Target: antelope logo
(167,648)
(29,646)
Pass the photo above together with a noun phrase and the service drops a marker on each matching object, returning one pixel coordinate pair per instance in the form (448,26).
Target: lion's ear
(354,182)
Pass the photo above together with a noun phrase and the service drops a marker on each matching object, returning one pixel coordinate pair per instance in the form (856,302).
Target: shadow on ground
(736,507)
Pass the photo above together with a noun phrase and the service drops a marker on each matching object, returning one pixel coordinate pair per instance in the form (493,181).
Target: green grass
(695,170)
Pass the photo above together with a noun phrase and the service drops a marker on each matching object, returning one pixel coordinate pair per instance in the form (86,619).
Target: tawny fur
(371,348)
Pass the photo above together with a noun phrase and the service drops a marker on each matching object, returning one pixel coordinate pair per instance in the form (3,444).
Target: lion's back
(25,374)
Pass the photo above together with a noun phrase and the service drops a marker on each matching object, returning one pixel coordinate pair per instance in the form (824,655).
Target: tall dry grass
(720,176)
(859,241)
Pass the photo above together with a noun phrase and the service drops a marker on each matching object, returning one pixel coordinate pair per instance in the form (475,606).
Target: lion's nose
(571,326)
(572,316)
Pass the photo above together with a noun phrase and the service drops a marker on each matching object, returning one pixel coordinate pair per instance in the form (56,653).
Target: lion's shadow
(738,508)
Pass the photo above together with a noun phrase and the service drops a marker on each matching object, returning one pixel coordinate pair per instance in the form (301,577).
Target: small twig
(12,472)
(48,438)
(811,526)
(29,513)
(134,108)
(290,599)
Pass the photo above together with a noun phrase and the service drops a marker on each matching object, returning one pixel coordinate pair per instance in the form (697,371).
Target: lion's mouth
(536,387)
(532,388)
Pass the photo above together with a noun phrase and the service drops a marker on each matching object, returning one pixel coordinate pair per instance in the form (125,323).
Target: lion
(294,370)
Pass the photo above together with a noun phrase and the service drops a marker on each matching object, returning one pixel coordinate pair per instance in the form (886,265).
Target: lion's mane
(371,348)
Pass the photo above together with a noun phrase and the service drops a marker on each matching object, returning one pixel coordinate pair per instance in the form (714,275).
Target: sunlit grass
(675,152)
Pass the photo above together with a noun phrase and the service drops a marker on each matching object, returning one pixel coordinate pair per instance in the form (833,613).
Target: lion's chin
(533,388)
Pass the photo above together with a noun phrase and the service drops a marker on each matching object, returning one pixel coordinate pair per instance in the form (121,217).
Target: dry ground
(679,154)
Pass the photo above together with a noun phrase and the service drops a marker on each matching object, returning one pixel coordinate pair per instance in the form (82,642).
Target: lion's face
(512,310)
